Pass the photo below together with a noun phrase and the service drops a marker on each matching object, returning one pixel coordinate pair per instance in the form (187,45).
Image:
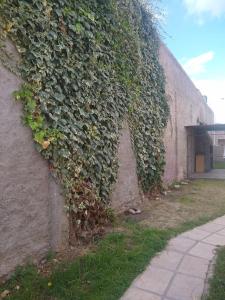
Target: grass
(108,270)
(217,282)
(219,165)
(186,200)
(100,275)
(200,198)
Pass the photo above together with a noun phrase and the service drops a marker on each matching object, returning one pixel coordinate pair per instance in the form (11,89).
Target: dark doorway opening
(206,151)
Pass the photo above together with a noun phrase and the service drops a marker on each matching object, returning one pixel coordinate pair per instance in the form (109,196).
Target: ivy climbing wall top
(88,65)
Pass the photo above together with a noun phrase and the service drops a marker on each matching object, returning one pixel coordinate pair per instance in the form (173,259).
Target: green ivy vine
(89,64)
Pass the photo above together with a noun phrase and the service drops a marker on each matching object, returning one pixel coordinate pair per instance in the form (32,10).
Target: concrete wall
(187,107)
(125,192)
(32,218)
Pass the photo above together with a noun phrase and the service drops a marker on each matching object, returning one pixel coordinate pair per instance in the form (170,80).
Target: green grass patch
(186,200)
(102,274)
(219,165)
(217,282)
(108,270)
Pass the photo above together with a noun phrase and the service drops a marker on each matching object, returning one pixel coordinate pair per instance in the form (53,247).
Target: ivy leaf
(39,137)
(59,97)
(45,144)
(78,28)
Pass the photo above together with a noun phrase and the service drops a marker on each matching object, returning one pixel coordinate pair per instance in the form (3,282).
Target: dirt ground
(198,199)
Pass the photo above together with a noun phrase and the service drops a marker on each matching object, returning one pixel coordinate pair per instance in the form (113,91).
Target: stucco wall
(32,218)
(125,192)
(187,107)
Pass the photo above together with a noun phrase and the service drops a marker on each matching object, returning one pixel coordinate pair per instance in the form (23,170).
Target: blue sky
(195,33)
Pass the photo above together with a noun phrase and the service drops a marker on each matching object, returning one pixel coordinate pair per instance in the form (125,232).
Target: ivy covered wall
(88,65)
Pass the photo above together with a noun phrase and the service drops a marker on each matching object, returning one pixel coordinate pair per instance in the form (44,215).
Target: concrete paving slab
(167,259)
(195,234)
(222,232)
(137,294)
(203,250)
(181,244)
(179,272)
(220,220)
(154,280)
(194,266)
(215,239)
(186,287)
(211,227)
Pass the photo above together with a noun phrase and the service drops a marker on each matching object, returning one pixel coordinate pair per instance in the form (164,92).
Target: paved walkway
(213,174)
(179,272)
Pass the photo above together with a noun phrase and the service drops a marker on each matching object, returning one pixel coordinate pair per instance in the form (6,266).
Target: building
(218,146)
(188,109)
(185,140)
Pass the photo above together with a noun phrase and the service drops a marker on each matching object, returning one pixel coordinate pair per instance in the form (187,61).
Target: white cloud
(215,91)
(216,8)
(196,65)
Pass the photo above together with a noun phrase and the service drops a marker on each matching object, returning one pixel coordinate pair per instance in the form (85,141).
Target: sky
(194,31)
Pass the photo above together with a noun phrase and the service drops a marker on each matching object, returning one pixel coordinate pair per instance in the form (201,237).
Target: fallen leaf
(4,294)
(45,144)
(8,27)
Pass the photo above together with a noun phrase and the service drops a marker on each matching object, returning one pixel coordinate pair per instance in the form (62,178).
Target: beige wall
(187,107)
(32,218)
(125,192)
